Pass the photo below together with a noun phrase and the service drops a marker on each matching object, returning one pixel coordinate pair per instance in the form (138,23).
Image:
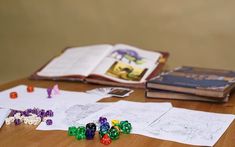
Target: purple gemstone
(49,122)
(49,113)
(17,121)
(102,120)
(49,90)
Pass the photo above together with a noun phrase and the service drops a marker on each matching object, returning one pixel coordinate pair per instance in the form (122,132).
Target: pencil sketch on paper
(137,115)
(78,112)
(190,126)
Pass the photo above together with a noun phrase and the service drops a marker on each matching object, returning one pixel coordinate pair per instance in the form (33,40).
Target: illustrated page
(128,64)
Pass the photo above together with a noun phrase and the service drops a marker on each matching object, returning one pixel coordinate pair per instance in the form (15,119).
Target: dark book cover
(195,80)
(164,94)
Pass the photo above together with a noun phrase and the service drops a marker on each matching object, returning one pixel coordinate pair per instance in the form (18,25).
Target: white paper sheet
(39,99)
(140,115)
(190,127)
(65,118)
(3,114)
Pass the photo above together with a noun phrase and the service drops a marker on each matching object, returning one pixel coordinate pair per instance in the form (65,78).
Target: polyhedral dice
(89,134)
(91,126)
(72,131)
(125,127)
(105,139)
(81,133)
(113,133)
(102,120)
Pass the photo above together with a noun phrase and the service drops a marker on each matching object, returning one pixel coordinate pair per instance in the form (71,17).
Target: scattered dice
(30,116)
(106,133)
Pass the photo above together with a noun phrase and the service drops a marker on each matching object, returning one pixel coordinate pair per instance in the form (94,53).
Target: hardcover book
(163,94)
(193,80)
(117,65)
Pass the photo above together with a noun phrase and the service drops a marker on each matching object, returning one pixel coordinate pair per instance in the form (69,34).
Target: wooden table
(25,135)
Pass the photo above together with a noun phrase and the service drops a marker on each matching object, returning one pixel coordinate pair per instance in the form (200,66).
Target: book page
(76,61)
(128,64)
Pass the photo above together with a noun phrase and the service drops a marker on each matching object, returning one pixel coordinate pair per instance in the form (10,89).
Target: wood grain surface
(25,135)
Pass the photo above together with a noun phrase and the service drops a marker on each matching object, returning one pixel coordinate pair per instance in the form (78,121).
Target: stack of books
(192,83)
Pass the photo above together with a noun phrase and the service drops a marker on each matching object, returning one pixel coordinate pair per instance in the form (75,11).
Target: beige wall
(195,32)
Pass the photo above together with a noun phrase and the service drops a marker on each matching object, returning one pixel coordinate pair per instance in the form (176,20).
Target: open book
(119,65)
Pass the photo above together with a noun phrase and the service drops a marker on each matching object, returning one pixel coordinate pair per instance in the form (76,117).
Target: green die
(125,127)
(81,133)
(80,136)
(72,131)
(102,133)
(113,133)
(81,129)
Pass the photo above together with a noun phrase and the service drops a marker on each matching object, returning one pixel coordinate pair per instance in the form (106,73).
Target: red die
(13,95)
(105,140)
(30,88)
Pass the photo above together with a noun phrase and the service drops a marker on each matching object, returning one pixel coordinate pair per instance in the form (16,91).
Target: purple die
(41,113)
(25,113)
(29,110)
(13,112)
(17,121)
(102,120)
(49,122)
(35,111)
(89,134)
(49,113)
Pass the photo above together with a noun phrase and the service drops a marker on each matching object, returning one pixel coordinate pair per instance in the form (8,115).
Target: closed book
(163,94)
(195,80)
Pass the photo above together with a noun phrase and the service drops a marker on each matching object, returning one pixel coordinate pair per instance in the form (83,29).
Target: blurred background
(195,33)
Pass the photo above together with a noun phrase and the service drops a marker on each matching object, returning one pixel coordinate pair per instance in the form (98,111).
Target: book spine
(200,92)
